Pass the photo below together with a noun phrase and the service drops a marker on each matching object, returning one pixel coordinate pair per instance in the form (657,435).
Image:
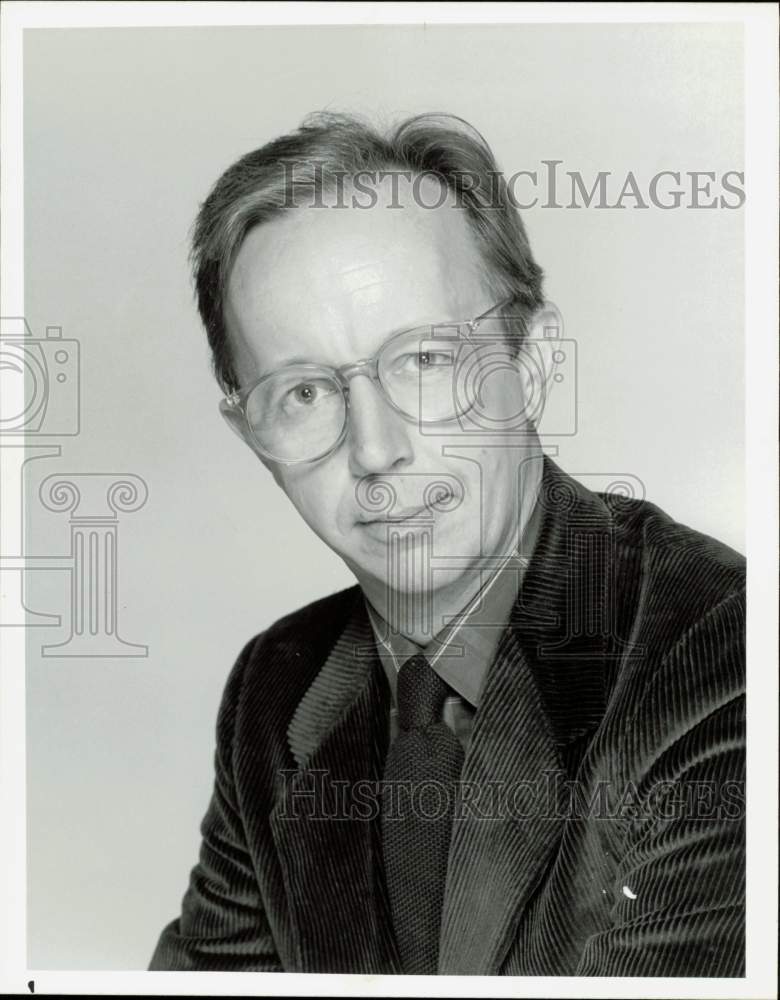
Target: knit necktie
(422,768)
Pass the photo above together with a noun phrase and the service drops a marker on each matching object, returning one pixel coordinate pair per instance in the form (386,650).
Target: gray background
(125,130)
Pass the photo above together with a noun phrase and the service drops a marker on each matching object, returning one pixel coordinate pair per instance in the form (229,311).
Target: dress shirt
(463,650)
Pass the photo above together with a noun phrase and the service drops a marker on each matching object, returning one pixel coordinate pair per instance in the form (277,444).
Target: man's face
(330,286)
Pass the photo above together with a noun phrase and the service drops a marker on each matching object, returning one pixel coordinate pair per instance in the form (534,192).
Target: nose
(378,436)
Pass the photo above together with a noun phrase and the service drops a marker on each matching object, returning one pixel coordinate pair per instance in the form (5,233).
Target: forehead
(316,279)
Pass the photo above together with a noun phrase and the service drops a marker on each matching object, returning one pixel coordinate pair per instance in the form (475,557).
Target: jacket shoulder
(325,614)
(679,599)
(684,654)
(283,659)
(690,570)
(267,681)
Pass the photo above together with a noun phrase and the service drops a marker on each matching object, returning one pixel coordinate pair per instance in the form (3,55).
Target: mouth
(399,518)
(426,510)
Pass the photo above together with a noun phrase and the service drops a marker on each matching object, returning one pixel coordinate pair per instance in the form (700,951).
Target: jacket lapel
(544,692)
(327,842)
(501,841)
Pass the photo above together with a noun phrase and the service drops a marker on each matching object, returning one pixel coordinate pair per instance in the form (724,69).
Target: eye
(421,361)
(304,393)
(307,394)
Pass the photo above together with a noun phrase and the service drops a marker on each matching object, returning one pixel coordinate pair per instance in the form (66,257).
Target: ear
(537,359)
(234,418)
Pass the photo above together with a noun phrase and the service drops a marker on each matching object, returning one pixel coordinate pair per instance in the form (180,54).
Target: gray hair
(270,180)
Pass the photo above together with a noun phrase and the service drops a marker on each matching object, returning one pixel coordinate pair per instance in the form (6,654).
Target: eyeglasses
(299,413)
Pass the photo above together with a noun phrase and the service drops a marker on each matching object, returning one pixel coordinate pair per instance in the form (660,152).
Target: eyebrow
(300,360)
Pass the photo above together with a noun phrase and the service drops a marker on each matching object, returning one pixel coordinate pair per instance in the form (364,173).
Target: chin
(413,564)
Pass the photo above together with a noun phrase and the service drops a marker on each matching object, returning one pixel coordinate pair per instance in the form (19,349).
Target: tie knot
(420,693)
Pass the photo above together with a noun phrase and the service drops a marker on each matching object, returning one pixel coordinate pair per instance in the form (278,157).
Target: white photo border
(761,268)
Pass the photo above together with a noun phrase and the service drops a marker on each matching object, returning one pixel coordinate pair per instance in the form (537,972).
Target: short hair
(259,187)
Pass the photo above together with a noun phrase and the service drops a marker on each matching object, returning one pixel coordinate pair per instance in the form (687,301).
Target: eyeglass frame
(235,402)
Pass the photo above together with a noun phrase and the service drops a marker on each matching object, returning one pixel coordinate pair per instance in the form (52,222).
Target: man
(516,746)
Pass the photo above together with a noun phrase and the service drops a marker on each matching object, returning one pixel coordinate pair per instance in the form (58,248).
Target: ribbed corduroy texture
(621,674)
(422,768)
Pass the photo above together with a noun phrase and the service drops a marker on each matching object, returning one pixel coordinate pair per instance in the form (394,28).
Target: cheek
(317,494)
(507,395)
(489,481)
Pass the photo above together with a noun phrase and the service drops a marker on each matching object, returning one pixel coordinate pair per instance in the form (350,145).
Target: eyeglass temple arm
(499,305)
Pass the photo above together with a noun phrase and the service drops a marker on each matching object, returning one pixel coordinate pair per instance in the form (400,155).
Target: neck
(420,611)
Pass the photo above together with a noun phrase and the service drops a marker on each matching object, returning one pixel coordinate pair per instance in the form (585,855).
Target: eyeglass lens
(298,413)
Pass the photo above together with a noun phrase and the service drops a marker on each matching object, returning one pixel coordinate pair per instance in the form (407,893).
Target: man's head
(321,246)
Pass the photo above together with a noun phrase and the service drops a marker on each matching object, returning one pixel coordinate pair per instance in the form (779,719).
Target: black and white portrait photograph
(389,526)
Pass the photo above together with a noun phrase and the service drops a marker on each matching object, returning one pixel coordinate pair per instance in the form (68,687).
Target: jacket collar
(561,618)
(344,675)
(463,650)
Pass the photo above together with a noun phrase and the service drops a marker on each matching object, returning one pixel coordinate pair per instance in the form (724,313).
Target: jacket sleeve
(223,926)
(678,893)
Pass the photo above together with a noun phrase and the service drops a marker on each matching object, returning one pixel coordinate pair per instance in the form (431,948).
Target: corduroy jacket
(600,829)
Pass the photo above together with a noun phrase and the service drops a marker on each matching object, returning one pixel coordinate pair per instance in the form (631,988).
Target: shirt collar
(463,650)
